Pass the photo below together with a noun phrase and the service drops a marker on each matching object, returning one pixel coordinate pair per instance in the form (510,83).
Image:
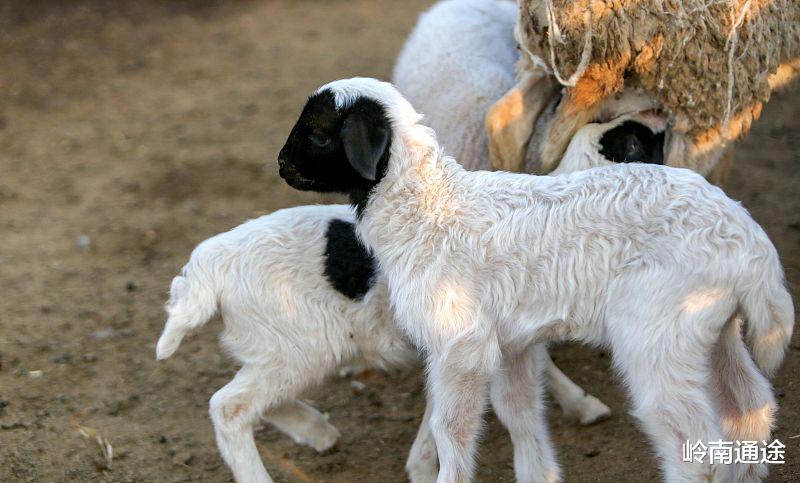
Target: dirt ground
(131,131)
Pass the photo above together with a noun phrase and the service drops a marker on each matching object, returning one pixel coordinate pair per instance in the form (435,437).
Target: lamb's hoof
(592,410)
(323,438)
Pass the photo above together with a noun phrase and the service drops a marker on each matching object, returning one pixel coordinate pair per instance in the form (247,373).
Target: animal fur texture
(457,67)
(709,63)
(455,64)
(652,262)
(290,329)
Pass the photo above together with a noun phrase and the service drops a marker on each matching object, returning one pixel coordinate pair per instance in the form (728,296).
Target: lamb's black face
(330,150)
(632,142)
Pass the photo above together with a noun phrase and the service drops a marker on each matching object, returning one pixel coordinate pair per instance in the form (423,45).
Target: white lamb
(481,267)
(300,299)
(456,63)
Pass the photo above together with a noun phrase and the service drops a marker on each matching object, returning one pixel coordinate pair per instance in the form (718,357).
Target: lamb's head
(632,138)
(341,142)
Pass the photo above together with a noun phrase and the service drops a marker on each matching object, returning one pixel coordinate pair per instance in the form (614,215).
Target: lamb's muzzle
(481,268)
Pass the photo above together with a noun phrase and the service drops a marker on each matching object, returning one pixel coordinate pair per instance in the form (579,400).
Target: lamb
(482,268)
(281,281)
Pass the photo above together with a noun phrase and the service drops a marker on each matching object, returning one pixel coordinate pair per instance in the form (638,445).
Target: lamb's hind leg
(304,424)
(744,397)
(669,381)
(238,406)
(234,410)
(576,404)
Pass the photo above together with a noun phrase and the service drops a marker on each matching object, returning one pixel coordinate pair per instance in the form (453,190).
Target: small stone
(35,374)
(12,425)
(3,403)
(592,453)
(103,334)
(89,357)
(130,286)
(162,439)
(83,242)
(127,332)
(63,358)
(184,457)
(358,387)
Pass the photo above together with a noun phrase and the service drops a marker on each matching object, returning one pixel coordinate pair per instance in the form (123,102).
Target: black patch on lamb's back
(349,267)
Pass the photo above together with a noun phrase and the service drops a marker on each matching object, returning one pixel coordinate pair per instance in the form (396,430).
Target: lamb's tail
(193,301)
(767,306)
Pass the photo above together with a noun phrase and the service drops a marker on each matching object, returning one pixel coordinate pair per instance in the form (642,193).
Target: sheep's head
(342,140)
(633,138)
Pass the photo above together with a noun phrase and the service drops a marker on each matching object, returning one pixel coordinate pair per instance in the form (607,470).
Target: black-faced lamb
(482,268)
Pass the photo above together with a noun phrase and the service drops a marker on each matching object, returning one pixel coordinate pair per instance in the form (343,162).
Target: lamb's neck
(420,197)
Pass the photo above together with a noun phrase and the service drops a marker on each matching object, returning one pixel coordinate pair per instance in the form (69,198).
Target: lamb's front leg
(458,380)
(517,391)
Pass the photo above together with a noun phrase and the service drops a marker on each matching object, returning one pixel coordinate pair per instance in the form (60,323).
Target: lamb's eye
(320,140)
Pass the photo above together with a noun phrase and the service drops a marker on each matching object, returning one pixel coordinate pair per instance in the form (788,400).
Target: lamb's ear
(365,137)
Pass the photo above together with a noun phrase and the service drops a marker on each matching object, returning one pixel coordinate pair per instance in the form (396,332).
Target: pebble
(12,425)
(130,286)
(592,453)
(35,374)
(358,386)
(103,334)
(184,457)
(63,358)
(83,242)
(89,357)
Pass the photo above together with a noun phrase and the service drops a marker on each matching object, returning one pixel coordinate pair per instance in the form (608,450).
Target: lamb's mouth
(297,181)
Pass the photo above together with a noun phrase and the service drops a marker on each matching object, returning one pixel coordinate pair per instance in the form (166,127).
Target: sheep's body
(652,262)
(456,63)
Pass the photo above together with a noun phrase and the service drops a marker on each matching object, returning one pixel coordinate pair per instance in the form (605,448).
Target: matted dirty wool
(710,63)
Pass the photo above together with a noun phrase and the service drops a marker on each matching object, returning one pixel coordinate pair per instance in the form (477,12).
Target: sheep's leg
(234,410)
(669,382)
(304,424)
(422,464)
(517,396)
(575,403)
(458,379)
